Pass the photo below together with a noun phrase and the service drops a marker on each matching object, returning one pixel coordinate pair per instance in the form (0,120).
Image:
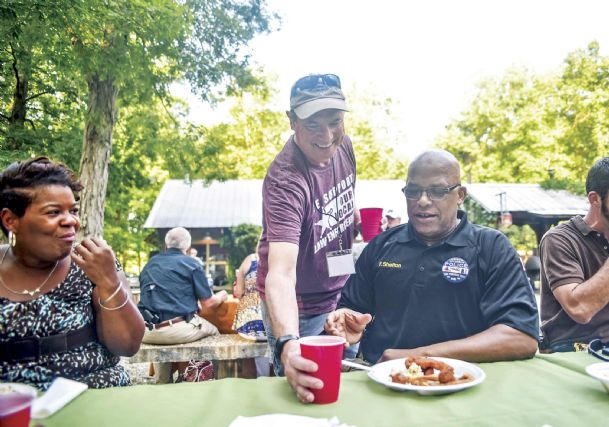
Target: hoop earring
(12,239)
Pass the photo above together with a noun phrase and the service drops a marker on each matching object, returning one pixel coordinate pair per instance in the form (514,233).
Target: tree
(39,90)
(536,128)
(133,46)
(239,242)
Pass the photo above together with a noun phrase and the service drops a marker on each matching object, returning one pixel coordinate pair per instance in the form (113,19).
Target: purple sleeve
(284,200)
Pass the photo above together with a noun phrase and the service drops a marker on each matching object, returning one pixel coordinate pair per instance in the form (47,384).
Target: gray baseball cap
(317,92)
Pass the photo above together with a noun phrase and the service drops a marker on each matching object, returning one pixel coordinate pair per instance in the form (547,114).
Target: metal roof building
(225,204)
(529,203)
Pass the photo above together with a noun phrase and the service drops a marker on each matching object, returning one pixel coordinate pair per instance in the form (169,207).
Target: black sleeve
(508,298)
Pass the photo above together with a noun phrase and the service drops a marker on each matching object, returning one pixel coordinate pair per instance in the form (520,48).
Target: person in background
(438,286)
(308,214)
(65,308)
(172,285)
(575,272)
(193,253)
(393,219)
(248,319)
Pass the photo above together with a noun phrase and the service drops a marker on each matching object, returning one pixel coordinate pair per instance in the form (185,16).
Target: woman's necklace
(26,292)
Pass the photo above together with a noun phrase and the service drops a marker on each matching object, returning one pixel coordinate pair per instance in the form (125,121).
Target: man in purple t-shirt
(308,212)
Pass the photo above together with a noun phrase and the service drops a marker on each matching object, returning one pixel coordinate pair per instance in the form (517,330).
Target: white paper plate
(258,337)
(600,371)
(381,374)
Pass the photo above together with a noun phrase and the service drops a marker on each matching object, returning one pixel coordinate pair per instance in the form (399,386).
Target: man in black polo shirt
(438,285)
(172,285)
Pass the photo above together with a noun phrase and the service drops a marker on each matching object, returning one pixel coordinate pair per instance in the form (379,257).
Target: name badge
(340,263)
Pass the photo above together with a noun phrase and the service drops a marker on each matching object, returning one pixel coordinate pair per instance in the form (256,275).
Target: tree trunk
(97,146)
(19,109)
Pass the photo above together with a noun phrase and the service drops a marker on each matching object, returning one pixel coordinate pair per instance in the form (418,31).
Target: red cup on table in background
(372,218)
(327,352)
(16,404)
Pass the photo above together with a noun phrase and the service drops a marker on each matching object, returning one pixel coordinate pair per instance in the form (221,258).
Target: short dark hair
(21,176)
(598,178)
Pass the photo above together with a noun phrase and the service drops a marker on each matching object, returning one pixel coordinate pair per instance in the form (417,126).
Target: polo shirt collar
(459,237)
(174,251)
(582,226)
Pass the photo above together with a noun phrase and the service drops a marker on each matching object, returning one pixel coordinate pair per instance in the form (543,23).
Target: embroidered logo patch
(455,270)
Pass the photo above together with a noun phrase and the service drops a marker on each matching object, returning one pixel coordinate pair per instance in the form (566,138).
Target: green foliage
(40,110)
(370,126)
(374,160)
(523,238)
(244,147)
(239,242)
(536,128)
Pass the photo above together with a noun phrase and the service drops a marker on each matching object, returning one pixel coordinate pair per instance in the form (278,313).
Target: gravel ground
(138,372)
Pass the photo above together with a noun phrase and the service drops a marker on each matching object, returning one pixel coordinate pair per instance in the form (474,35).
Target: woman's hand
(119,324)
(95,257)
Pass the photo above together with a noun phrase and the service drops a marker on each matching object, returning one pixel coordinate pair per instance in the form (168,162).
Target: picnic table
(551,390)
(228,352)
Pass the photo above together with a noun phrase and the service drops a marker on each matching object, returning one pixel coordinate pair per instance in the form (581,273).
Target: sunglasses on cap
(599,349)
(315,81)
(434,193)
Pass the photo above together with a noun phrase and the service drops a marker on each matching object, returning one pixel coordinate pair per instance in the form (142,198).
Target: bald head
(435,162)
(178,238)
(433,195)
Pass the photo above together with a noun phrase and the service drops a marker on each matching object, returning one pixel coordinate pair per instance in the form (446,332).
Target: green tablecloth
(547,390)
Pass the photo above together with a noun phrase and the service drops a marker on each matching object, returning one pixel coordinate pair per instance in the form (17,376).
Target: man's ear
(462,194)
(595,199)
(292,118)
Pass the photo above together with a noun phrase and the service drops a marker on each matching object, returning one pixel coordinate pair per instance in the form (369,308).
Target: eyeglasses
(315,80)
(599,349)
(434,193)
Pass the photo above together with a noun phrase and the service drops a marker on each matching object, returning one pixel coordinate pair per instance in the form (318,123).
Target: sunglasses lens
(413,193)
(436,193)
(317,80)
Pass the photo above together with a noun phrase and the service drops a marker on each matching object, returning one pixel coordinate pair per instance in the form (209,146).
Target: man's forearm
(499,342)
(588,298)
(281,304)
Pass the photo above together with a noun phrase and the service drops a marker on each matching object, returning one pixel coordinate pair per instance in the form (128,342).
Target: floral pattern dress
(248,318)
(66,308)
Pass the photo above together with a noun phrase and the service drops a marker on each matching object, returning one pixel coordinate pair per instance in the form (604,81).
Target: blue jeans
(308,325)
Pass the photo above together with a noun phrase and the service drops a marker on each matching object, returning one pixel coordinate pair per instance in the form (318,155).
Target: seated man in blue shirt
(438,285)
(172,285)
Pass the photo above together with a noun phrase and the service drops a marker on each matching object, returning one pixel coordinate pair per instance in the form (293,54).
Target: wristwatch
(281,342)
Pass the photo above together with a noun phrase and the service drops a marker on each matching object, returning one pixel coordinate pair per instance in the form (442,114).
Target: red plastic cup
(327,352)
(372,218)
(16,404)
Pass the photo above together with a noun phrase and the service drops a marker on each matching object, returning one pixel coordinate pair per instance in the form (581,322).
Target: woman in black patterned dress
(64,311)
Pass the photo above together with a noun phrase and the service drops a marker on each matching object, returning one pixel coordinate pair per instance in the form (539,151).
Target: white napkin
(282,420)
(61,392)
